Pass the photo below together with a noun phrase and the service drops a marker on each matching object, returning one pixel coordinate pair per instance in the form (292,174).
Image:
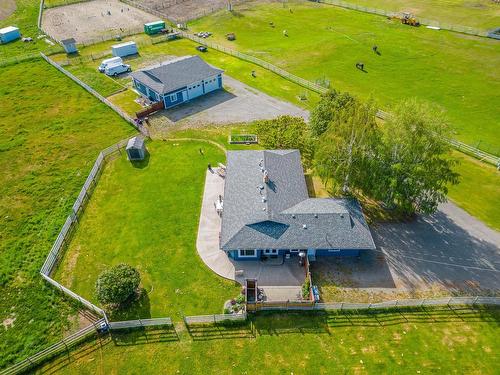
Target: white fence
(124,115)
(53,350)
(140,323)
(341,306)
(213,319)
(423,21)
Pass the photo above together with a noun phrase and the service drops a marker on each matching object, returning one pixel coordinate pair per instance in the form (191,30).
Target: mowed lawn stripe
(51,131)
(147,216)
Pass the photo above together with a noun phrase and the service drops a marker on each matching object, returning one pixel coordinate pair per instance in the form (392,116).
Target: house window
(246,253)
(173,97)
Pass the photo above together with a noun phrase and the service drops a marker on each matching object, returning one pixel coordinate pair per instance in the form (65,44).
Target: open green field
(147,215)
(452,70)
(86,69)
(459,341)
(480,14)
(479,190)
(51,131)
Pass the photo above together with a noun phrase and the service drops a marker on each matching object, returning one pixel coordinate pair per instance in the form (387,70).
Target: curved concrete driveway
(207,242)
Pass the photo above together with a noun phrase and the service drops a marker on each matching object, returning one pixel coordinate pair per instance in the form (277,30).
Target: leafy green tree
(287,132)
(415,159)
(324,113)
(117,284)
(346,151)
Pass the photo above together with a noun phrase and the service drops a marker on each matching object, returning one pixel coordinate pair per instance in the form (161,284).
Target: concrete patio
(280,278)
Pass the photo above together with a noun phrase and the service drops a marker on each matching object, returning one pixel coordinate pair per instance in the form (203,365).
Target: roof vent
(266,177)
(293,216)
(261,162)
(304,226)
(264,199)
(316,216)
(342,216)
(260,187)
(263,208)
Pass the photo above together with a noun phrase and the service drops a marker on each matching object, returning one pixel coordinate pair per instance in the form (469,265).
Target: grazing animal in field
(360,66)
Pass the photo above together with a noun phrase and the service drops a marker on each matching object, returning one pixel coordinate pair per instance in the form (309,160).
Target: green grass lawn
(25,17)
(452,70)
(478,191)
(265,81)
(147,215)
(481,14)
(460,341)
(51,132)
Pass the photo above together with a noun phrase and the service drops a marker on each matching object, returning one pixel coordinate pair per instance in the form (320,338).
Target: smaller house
(136,149)
(69,45)
(177,81)
(9,34)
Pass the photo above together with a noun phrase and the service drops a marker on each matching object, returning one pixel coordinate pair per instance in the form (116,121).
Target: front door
(271,252)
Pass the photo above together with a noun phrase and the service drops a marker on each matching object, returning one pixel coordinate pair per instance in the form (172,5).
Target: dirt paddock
(89,21)
(7,7)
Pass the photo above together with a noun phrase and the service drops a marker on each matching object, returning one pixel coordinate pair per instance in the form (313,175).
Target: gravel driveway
(237,103)
(448,251)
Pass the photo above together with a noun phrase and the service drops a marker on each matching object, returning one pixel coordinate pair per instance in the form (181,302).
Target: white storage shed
(124,49)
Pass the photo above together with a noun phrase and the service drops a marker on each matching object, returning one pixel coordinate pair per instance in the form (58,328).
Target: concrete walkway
(207,242)
(281,279)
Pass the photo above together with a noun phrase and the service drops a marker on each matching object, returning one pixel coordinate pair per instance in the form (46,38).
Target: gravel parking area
(237,103)
(448,252)
(7,7)
(88,21)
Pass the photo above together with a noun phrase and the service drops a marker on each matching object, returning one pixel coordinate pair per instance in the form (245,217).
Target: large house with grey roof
(268,212)
(177,81)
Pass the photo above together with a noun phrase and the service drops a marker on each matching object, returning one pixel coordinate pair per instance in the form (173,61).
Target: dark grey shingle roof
(175,74)
(287,218)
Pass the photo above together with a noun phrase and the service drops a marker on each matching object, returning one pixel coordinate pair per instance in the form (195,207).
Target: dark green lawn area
(51,131)
(452,70)
(444,341)
(147,215)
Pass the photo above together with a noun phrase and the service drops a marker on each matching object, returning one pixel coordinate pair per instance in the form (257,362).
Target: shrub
(240,299)
(306,288)
(116,285)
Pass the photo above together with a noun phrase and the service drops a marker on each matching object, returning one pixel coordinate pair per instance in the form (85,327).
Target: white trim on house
(241,255)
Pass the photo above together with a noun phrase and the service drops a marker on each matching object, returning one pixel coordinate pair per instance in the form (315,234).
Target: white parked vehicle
(111,61)
(114,70)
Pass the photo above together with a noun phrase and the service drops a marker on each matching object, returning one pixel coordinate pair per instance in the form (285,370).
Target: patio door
(270,252)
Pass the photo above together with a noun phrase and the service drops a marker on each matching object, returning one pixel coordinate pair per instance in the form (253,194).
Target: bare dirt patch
(184,10)
(7,7)
(89,21)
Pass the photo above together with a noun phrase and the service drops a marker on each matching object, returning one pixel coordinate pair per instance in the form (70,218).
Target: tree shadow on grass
(137,308)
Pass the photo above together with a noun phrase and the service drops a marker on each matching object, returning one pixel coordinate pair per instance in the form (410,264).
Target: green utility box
(154,27)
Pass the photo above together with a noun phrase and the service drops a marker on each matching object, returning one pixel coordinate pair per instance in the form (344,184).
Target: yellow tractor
(406,19)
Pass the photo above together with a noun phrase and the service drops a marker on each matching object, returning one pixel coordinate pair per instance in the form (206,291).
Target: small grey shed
(136,149)
(69,45)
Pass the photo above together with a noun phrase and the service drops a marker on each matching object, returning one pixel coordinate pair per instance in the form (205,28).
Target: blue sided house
(177,81)
(268,213)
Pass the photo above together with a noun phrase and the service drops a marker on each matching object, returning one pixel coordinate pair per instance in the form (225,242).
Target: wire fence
(423,21)
(215,318)
(62,346)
